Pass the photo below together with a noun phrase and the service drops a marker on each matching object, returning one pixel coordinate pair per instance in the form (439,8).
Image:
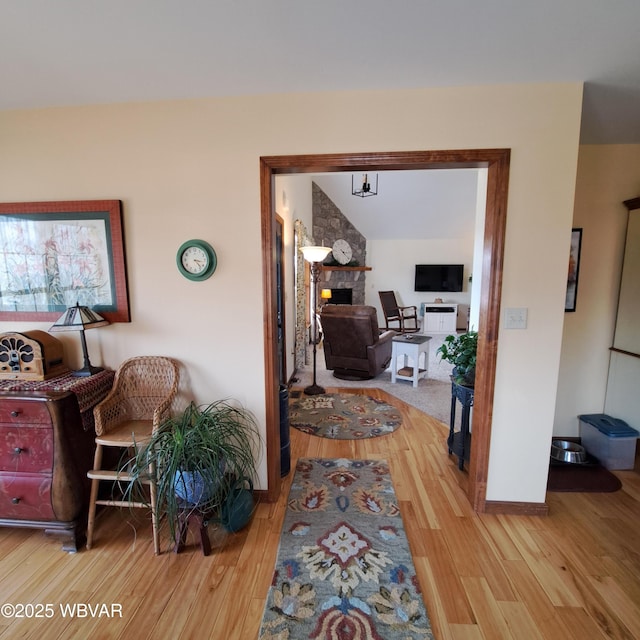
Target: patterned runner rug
(342,416)
(344,569)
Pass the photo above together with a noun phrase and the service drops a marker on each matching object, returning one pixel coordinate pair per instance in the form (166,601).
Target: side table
(409,347)
(459,442)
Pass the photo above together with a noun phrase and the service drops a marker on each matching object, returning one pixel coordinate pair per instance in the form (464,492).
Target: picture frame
(56,254)
(574,270)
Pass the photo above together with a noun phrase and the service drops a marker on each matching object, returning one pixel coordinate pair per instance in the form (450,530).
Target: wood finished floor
(572,574)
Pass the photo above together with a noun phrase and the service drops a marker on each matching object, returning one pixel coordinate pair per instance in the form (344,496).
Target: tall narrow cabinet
(622,399)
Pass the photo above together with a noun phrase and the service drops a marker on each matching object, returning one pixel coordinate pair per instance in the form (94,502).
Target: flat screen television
(439,277)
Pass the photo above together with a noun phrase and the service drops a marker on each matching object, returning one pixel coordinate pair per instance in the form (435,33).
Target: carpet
(432,396)
(344,568)
(342,416)
(590,478)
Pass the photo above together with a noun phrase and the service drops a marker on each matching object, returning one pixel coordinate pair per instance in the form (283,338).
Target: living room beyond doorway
(496,161)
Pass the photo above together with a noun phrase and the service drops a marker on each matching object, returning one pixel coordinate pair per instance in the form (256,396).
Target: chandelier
(365,189)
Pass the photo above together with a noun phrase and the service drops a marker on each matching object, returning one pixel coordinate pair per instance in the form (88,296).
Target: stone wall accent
(329,225)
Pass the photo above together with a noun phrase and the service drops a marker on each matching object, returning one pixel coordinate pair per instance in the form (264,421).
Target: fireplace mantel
(342,277)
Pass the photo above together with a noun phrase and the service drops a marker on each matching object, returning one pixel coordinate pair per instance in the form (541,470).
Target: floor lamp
(314,256)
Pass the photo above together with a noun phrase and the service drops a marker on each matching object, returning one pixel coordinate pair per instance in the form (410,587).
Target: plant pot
(194,487)
(467,379)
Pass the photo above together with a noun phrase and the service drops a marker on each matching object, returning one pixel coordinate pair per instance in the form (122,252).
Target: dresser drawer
(29,450)
(25,496)
(24,412)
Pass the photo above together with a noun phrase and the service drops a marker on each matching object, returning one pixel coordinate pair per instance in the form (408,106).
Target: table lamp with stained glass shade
(79,318)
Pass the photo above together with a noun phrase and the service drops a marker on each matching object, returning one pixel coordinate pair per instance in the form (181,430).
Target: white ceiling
(437,203)
(71,52)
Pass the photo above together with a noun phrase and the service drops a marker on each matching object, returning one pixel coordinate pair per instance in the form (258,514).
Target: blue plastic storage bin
(609,439)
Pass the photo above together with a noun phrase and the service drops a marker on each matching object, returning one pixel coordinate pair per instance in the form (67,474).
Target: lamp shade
(78,318)
(315,254)
(325,294)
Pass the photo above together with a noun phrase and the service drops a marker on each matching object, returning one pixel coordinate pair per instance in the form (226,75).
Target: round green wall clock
(196,260)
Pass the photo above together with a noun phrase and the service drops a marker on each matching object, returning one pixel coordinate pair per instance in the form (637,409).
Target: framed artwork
(56,254)
(574,268)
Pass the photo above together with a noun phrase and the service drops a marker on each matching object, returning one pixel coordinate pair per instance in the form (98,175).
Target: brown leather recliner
(354,348)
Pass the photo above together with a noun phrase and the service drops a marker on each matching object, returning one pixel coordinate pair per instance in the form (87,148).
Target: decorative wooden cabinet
(47,442)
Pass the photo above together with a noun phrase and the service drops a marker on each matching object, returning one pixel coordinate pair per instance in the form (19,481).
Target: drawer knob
(15,413)
(18,450)
(15,500)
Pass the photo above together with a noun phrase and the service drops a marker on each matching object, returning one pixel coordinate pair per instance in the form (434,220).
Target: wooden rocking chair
(406,317)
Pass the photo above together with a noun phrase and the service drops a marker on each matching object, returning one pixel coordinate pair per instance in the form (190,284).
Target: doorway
(496,161)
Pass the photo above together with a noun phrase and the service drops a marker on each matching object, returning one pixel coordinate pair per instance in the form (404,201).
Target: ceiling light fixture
(365,189)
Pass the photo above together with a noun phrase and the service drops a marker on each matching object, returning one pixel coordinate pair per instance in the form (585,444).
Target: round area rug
(342,416)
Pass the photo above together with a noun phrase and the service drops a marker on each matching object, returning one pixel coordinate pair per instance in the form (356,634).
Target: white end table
(409,347)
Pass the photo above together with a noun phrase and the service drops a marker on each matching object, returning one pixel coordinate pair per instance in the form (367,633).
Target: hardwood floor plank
(450,591)
(410,486)
(577,624)
(466,632)
(175,615)
(456,497)
(212,597)
(496,537)
(625,573)
(486,609)
(432,594)
(251,626)
(626,609)
(529,590)
(519,621)
(31,575)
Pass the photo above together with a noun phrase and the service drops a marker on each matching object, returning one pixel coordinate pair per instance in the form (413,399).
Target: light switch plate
(515,318)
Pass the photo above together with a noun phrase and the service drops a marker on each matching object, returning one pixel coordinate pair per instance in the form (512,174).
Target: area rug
(342,416)
(592,478)
(432,395)
(344,569)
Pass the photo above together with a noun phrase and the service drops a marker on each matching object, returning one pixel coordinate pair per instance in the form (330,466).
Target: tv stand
(440,317)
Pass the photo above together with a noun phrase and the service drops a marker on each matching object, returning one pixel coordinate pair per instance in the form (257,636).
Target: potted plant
(460,350)
(203,461)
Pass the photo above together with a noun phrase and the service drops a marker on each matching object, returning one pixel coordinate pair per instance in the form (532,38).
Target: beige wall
(395,260)
(190,169)
(607,175)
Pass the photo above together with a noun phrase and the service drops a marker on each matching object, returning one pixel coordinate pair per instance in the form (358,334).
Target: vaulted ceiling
(436,204)
(72,52)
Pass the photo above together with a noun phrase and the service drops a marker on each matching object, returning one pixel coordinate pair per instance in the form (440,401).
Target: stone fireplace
(329,225)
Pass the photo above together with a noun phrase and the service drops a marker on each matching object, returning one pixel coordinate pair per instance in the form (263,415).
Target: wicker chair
(141,398)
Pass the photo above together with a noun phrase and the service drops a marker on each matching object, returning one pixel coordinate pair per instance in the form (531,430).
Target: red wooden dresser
(47,440)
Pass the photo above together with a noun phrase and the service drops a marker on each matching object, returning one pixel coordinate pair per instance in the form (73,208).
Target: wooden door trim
(496,161)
